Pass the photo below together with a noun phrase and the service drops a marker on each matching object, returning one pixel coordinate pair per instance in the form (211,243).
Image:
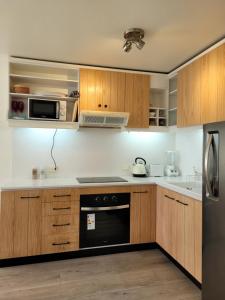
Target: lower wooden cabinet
(178,229)
(142,214)
(20,224)
(60,221)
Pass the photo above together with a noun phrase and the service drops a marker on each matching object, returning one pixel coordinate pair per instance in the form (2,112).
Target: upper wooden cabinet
(137,99)
(201,90)
(102,90)
(188,95)
(118,92)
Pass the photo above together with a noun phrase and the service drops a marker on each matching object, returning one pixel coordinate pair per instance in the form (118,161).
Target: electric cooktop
(100,179)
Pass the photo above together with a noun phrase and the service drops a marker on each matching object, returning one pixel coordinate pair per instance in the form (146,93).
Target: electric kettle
(139,167)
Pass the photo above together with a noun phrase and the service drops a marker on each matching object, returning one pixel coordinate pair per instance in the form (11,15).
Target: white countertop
(167,182)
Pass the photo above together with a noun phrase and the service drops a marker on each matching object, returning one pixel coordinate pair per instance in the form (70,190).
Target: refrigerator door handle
(206,163)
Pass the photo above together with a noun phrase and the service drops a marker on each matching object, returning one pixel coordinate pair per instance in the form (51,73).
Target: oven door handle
(93,209)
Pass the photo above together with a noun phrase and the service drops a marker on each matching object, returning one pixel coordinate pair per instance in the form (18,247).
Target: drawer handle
(144,192)
(171,198)
(61,196)
(61,208)
(59,244)
(58,225)
(31,197)
(182,202)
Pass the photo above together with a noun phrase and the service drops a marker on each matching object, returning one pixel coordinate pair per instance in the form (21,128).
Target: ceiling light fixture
(133,36)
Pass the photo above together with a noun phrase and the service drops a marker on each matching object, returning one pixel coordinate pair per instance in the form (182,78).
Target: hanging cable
(52,148)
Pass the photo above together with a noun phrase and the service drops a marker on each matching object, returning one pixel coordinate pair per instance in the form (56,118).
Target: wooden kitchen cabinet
(60,220)
(20,222)
(178,229)
(142,214)
(6,224)
(137,99)
(201,90)
(165,227)
(189,102)
(198,239)
(116,92)
(102,90)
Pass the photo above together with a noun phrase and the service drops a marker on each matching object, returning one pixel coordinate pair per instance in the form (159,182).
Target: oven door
(43,109)
(104,226)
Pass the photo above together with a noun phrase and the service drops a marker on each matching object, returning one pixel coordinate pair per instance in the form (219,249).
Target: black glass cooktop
(100,179)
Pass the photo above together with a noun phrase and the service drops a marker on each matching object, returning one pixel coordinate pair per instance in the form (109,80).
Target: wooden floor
(135,276)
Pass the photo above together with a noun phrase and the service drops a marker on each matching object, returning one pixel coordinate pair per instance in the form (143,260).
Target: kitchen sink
(195,187)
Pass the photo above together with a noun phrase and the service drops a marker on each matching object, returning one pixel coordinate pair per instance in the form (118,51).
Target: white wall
(189,145)
(86,152)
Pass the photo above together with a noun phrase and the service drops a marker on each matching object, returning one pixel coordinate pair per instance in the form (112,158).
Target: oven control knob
(114,198)
(98,199)
(105,198)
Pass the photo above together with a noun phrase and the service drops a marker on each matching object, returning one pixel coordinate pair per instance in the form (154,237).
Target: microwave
(46,109)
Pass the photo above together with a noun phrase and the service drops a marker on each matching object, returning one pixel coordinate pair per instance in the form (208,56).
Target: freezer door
(213,286)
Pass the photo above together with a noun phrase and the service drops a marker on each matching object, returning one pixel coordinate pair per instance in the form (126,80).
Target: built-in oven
(45,109)
(104,220)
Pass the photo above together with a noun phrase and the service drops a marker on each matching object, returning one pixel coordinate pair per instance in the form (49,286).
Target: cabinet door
(188,95)
(90,89)
(166,227)
(102,90)
(21,220)
(34,226)
(137,100)
(6,224)
(189,229)
(142,214)
(27,223)
(198,240)
(213,86)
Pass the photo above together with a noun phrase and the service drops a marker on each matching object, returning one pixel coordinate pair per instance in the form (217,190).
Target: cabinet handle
(171,198)
(144,192)
(105,105)
(99,105)
(58,225)
(61,196)
(31,197)
(58,244)
(182,202)
(61,208)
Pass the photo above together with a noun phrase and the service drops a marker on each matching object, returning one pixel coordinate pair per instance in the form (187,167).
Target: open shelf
(30,79)
(173,92)
(21,95)
(45,80)
(172,111)
(42,124)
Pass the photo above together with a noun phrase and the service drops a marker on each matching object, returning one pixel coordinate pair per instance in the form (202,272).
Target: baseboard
(75,254)
(194,280)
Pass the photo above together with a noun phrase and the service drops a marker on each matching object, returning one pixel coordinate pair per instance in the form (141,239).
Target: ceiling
(91,31)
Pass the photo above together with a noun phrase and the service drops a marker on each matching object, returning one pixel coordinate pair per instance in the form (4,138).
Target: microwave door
(41,109)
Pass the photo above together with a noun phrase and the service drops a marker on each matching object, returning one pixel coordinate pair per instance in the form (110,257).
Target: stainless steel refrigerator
(213,286)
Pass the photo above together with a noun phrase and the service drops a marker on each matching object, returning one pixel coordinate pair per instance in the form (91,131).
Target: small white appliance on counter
(139,168)
(171,168)
(156,170)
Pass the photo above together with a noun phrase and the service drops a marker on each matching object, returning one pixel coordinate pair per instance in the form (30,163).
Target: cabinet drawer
(59,195)
(66,207)
(60,243)
(60,224)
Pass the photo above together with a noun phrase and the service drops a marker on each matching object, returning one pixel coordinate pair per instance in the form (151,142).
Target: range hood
(89,118)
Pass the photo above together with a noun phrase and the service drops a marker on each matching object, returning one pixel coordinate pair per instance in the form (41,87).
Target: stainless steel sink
(195,187)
